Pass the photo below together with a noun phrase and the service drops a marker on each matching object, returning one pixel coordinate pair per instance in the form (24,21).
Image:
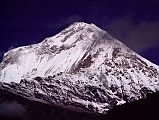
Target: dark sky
(134,22)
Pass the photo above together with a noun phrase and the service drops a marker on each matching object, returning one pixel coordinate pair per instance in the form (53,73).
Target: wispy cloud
(11,109)
(139,36)
(65,21)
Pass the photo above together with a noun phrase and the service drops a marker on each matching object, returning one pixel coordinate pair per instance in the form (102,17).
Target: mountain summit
(81,68)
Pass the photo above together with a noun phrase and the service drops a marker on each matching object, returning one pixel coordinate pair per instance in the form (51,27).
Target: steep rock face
(81,68)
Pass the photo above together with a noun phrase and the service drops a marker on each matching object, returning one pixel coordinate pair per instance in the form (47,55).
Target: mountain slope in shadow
(13,107)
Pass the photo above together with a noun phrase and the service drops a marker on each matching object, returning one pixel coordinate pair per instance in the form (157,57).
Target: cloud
(11,109)
(138,37)
(72,19)
(65,21)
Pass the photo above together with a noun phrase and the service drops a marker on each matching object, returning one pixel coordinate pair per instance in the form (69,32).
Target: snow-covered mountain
(81,68)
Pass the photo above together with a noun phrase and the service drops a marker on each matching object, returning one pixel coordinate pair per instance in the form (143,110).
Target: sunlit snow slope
(82,68)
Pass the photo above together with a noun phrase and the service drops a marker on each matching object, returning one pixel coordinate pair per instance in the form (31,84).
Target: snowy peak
(82,67)
(61,53)
(79,31)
